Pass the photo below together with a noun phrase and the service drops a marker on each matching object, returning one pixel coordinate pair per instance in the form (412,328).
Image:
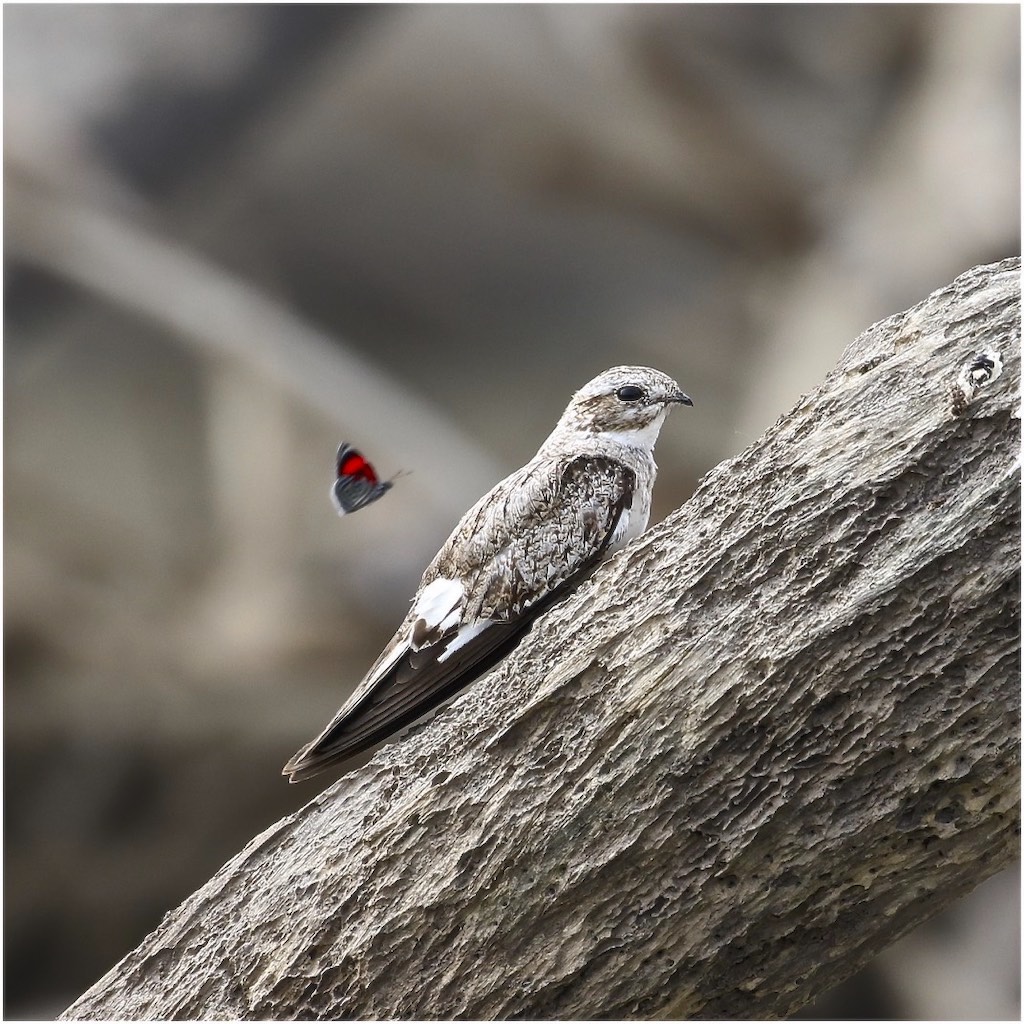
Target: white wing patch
(463,636)
(438,610)
(438,607)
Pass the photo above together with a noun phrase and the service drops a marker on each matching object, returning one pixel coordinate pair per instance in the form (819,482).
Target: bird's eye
(629,393)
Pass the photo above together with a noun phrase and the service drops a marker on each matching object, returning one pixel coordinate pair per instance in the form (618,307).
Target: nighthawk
(524,545)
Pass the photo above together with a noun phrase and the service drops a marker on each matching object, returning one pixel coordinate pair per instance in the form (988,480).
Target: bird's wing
(521,547)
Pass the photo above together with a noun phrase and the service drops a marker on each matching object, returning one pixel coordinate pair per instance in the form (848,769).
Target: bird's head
(626,403)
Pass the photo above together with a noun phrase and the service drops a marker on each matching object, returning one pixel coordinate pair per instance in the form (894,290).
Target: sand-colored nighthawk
(524,545)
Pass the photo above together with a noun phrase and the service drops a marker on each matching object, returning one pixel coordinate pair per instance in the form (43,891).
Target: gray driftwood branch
(761,744)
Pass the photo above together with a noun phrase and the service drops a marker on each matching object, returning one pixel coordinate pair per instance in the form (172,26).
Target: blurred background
(237,235)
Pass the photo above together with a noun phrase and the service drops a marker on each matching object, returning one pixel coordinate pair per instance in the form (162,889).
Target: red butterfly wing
(351,463)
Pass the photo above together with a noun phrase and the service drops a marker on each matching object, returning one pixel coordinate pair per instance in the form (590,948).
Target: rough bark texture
(762,743)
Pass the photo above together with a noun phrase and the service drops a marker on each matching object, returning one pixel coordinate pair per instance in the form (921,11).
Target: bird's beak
(681,398)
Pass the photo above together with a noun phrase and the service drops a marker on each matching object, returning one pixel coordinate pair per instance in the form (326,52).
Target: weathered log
(759,745)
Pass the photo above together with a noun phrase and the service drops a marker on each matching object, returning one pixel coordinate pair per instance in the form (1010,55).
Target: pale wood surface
(763,742)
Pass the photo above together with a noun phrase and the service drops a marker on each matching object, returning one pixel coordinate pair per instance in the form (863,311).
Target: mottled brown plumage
(526,543)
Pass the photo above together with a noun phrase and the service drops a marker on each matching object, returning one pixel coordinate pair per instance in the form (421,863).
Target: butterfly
(357,483)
